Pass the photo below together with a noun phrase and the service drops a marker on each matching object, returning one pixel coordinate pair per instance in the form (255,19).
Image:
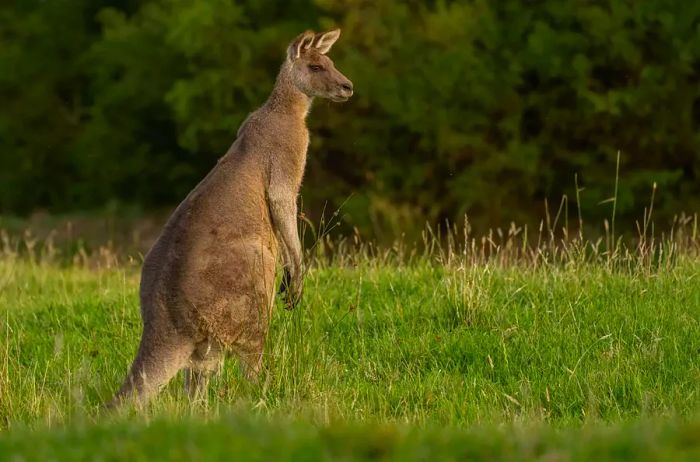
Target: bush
(475,107)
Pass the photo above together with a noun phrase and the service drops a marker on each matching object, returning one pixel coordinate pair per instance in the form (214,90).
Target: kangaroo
(207,284)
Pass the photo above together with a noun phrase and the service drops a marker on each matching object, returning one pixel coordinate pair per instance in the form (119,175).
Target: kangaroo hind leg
(250,361)
(159,358)
(205,361)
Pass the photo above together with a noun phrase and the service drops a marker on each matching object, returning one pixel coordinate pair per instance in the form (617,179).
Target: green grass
(242,437)
(480,359)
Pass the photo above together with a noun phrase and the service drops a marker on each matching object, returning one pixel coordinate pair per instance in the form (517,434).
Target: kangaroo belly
(229,294)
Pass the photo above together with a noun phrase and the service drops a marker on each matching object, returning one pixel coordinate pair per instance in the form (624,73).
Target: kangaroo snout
(344,91)
(347,88)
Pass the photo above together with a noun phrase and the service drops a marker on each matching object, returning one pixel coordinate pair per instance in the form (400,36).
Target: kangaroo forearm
(285,223)
(284,253)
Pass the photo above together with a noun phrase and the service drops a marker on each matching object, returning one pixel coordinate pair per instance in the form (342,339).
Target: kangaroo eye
(315,68)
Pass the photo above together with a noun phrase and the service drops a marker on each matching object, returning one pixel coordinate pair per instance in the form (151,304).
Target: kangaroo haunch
(207,285)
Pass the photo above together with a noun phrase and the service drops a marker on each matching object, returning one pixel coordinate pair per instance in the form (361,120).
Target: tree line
(478,107)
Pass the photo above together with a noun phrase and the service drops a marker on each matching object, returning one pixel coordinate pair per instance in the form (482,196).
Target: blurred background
(118,108)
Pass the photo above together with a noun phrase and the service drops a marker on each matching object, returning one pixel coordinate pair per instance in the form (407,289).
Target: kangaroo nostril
(347,86)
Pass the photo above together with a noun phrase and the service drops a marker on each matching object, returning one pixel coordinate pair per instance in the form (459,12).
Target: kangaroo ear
(300,44)
(324,41)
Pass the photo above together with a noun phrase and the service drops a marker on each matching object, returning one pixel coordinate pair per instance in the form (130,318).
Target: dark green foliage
(471,107)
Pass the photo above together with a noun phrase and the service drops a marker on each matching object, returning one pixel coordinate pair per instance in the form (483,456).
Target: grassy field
(385,358)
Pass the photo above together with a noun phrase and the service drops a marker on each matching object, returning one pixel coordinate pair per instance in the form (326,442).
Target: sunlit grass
(564,334)
(415,343)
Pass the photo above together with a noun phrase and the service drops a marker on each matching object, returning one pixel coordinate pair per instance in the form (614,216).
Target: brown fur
(207,285)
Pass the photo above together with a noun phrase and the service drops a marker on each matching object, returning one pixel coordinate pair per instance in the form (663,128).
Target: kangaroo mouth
(339,98)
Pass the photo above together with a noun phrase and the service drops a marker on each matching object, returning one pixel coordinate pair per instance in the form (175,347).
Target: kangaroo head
(312,71)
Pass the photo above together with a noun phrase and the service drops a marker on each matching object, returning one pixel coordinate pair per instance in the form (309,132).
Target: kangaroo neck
(286,98)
